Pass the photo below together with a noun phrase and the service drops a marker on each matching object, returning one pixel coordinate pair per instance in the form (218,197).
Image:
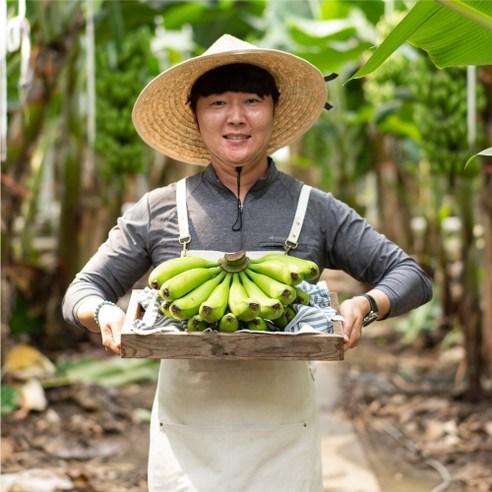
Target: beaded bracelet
(98,308)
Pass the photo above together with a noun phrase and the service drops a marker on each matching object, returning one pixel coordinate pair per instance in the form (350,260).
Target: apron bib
(234,426)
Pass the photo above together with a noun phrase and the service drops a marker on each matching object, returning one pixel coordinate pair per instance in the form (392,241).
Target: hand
(111,320)
(353,312)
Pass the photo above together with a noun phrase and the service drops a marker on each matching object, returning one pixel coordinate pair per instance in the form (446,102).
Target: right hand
(111,320)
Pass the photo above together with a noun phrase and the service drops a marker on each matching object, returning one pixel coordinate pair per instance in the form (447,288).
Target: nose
(235,114)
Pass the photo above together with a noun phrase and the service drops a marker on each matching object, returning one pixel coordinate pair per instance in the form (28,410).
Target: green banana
(196,323)
(188,305)
(243,307)
(309,269)
(186,281)
(302,297)
(215,306)
(283,271)
(170,268)
(257,324)
(164,307)
(270,308)
(272,288)
(285,319)
(228,323)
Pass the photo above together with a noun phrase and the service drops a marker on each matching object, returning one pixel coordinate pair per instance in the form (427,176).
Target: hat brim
(165,121)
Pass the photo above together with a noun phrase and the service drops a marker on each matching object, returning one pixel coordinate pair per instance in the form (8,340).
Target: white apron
(234,426)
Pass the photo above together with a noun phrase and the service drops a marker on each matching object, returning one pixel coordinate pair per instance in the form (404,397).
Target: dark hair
(235,77)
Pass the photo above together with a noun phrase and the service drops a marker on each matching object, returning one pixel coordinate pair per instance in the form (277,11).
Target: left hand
(353,311)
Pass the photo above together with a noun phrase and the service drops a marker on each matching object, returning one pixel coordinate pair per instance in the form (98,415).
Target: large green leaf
(453,33)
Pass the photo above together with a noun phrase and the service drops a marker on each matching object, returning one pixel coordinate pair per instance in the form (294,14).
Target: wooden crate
(229,346)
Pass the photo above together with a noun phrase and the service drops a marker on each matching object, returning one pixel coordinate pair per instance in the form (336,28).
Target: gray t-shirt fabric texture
(333,235)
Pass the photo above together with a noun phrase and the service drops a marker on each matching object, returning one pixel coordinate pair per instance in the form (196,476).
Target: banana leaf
(112,372)
(485,153)
(453,33)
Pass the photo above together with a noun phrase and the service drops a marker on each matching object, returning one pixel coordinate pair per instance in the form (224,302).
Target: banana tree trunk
(486,216)
(486,220)
(469,311)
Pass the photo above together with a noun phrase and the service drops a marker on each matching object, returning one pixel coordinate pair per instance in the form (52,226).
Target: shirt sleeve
(369,256)
(118,263)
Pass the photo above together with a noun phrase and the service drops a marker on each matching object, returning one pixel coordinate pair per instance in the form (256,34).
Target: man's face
(236,127)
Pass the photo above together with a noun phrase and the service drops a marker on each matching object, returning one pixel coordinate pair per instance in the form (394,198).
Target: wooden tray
(230,346)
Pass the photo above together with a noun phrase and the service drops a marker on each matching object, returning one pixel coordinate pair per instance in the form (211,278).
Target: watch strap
(372,302)
(372,315)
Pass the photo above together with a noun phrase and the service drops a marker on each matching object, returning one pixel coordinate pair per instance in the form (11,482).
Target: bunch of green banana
(437,100)
(234,292)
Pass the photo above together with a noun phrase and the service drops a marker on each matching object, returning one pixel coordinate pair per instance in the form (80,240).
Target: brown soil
(97,437)
(405,407)
(403,400)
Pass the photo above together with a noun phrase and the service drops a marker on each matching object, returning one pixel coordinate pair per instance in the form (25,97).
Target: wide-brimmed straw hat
(165,121)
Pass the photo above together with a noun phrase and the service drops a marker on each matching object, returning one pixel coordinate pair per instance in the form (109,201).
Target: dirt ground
(403,402)
(407,407)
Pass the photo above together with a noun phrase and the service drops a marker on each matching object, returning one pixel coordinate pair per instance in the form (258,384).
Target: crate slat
(217,345)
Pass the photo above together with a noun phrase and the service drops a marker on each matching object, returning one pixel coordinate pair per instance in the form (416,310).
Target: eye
(253,100)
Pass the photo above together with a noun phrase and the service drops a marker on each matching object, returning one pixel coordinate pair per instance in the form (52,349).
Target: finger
(351,337)
(108,341)
(346,337)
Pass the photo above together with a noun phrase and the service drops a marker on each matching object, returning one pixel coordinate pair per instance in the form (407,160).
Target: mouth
(237,137)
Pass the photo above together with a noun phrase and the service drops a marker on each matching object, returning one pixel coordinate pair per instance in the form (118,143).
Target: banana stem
(234,262)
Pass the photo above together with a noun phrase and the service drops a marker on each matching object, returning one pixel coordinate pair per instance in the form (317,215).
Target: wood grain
(239,345)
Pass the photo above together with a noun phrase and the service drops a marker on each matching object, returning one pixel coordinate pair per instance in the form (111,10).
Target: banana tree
(457,33)
(49,123)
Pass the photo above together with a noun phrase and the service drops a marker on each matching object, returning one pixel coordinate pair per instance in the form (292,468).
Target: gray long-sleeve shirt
(333,235)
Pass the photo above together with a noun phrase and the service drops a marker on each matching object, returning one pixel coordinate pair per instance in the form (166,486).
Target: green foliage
(452,339)
(120,76)
(440,102)
(238,18)
(24,321)
(112,372)
(387,91)
(422,319)
(9,401)
(449,37)
(412,98)
(384,85)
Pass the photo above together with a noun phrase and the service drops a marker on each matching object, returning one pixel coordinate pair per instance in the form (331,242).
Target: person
(246,425)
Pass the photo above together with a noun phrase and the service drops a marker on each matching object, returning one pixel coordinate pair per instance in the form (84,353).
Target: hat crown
(228,43)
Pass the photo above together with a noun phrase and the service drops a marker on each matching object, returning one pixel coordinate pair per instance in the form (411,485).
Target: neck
(249,175)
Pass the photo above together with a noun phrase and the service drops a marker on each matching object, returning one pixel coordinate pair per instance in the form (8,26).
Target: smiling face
(234,107)
(236,127)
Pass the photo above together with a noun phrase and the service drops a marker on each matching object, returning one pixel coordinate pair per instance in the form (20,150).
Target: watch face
(372,316)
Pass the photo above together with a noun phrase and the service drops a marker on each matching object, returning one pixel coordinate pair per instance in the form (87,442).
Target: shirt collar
(259,186)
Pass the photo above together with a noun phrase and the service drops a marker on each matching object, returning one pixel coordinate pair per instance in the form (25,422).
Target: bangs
(235,77)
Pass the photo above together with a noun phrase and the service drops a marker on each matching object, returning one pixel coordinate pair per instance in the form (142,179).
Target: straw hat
(164,120)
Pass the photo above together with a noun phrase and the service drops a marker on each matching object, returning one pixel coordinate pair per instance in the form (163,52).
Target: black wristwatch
(373,314)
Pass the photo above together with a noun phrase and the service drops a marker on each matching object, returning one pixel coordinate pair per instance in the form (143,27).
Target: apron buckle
(290,245)
(184,241)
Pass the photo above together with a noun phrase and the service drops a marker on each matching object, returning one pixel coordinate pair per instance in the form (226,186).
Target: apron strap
(182,211)
(184,233)
(292,241)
